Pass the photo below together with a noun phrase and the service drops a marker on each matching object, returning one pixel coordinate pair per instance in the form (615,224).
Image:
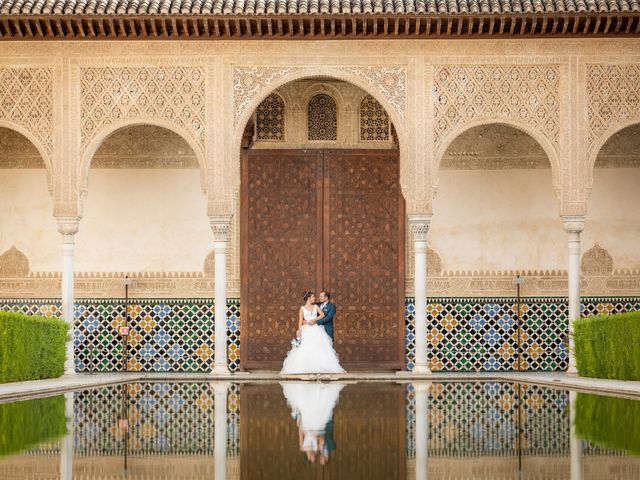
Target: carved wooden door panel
(364,255)
(314,219)
(282,248)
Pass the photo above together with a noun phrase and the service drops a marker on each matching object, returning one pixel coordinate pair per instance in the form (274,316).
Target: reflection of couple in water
(312,407)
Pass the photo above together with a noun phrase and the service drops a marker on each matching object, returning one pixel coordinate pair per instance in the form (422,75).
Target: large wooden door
(323,219)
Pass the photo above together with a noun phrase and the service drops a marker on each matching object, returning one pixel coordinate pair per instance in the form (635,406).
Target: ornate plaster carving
(390,81)
(68,225)
(419,225)
(13,264)
(573,223)
(26,99)
(524,94)
(220,226)
(596,261)
(111,95)
(613,100)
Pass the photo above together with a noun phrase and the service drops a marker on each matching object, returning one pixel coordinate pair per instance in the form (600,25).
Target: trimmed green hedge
(30,423)
(608,346)
(609,421)
(31,347)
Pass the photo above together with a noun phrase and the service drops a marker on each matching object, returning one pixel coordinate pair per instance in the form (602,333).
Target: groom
(329,310)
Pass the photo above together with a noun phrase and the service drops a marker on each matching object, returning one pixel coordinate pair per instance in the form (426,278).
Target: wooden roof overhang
(318,26)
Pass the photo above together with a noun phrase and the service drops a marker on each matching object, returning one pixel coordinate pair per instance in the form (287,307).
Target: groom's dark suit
(329,311)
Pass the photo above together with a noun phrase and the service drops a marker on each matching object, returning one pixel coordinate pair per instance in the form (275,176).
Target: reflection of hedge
(31,347)
(609,421)
(28,423)
(608,346)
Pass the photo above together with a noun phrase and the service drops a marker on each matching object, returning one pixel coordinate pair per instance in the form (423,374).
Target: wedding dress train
(315,354)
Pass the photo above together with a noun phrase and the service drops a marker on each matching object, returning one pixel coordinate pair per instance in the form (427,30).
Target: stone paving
(34,388)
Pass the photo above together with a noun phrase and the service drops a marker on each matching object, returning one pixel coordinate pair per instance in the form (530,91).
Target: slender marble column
(575,443)
(573,225)
(220,228)
(422,430)
(419,227)
(68,227)
(220,430)
(66,447)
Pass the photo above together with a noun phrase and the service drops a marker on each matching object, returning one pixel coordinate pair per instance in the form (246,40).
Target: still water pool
(452,430)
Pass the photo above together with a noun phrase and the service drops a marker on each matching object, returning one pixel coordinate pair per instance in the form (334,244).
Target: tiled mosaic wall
(165,334)
(464,334)
(481,334)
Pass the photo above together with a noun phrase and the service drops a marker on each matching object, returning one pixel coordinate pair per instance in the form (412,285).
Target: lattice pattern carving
(613,93)
(527,94)
(374,121)
(26,98)
(322,118)
(112,94)
(596,261)
(270,119)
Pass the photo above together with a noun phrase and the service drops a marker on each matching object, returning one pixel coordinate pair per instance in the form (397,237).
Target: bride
(315,353)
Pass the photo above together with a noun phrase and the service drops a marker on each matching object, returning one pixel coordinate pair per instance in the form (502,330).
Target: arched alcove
(613,219)
(496,208)
(26,206)
(145,210)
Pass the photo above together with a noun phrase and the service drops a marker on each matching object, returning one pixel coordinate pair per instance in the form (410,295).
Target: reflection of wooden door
(368,435)
(314,219)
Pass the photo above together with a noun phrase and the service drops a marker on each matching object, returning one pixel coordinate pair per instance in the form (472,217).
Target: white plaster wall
(613,218)
(26,218)
(143,220)
(497,220)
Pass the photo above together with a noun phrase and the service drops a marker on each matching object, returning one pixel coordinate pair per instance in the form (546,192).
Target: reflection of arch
(335,73)
(101,136)
(597,146)
(43,154)
(322,117)
(548,148)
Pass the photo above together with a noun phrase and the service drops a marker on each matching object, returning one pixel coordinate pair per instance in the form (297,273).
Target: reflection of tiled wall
(480,334)
(474,419)
(165,418)
(464,334)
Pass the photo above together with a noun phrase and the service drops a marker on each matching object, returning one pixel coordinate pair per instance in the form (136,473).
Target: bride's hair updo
(307,296)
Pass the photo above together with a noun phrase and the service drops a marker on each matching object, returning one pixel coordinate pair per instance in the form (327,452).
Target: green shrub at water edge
(609,421)
(608,346)
(31,347)
(29,423)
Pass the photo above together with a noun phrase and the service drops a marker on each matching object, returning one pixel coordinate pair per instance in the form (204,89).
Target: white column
(419,228)
(573,225)
(68,227)
(220,430)
(575,443)
(66,447)
(220,227)
(422,430)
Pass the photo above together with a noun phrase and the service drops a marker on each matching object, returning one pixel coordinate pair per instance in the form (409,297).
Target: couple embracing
(312,349)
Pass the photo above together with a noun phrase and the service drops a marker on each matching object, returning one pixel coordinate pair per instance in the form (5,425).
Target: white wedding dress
(315,354)
(312,404)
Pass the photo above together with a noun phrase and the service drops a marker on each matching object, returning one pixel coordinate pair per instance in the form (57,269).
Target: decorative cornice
(197,26)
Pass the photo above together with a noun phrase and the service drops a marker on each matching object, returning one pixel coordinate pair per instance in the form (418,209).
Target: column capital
(68,225)
(573,223)
(220,226)
(419,225)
